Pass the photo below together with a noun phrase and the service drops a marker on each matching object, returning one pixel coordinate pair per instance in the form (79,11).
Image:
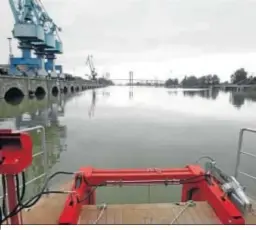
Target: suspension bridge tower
(131,78)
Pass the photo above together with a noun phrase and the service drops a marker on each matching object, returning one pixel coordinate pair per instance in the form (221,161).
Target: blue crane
(53,44)
(36,31)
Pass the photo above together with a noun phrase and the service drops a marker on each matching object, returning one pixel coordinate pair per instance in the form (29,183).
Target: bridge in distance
(153,82)
(135,81)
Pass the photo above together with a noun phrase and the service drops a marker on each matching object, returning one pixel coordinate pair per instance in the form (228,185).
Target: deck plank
(250,218)
(150,214)
(48,210)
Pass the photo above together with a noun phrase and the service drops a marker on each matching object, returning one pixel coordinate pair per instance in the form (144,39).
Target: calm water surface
(120,127)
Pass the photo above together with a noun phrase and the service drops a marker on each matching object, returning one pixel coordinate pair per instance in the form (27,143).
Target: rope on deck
(103,208)
(190,203)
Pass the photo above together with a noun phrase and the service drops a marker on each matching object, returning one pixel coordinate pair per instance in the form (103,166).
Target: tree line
(240,76)
(194,82)
(105,81)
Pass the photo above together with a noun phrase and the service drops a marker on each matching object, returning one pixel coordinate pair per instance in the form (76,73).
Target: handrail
(240,152)
(42,151)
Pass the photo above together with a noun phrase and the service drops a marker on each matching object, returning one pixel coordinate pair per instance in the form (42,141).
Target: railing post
(45,154)
(239,149)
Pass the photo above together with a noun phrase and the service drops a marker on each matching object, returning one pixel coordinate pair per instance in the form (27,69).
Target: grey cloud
(230,28)
(145,25)
(119,31)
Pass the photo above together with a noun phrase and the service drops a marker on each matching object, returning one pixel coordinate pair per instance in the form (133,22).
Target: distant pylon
(131,78)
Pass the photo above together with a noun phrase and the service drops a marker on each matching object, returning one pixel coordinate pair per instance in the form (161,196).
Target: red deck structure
(197,186)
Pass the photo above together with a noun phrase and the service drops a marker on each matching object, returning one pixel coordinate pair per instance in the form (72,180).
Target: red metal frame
(12,199)
(15,157)
(197,189)
(18,156)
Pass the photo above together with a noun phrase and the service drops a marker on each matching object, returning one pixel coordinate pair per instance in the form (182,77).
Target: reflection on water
(29,113)
(91,109)
(237,99)
(208,94)
(133,127)
(131,93)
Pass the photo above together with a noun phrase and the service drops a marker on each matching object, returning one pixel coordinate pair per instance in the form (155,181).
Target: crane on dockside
(36,31)
(89,62)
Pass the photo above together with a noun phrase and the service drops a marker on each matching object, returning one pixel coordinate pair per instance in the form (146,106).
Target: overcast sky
(154,38)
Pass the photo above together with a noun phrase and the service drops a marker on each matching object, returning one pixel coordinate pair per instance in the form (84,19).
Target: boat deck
(49,209)
(200,213)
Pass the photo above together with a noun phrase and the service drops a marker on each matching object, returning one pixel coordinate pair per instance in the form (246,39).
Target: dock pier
(25,86)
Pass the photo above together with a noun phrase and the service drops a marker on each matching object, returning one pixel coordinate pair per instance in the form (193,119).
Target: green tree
(176,81)
(201,82)
(171,82)
(238,76)
(188,82)
(105,81)
(215,79)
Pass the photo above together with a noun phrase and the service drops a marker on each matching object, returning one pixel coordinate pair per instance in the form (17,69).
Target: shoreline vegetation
(240,77)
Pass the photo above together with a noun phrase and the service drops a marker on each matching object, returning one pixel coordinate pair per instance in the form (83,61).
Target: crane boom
(15,12)
(89,62)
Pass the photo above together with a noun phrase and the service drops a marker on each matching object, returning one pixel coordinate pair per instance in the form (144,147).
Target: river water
(127,127)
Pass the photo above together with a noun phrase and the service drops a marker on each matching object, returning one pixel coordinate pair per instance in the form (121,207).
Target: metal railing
(241,152)
(43,152)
